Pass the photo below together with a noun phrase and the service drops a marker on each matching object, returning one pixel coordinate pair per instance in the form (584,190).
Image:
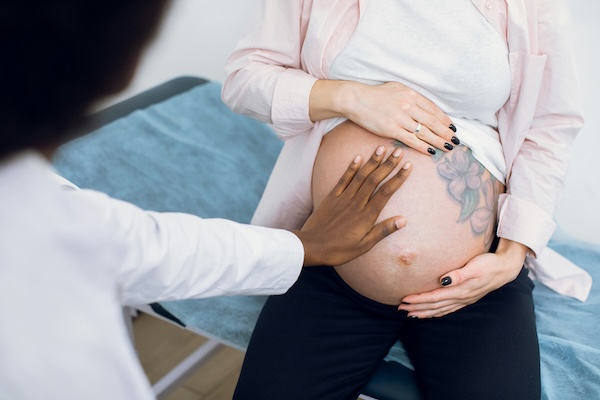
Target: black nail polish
(455,140)
(413,317)
(446,281)
(452,127)
(448,146)
(431,151)
(404,303)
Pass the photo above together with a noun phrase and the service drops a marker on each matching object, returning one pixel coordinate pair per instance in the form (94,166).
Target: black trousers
(322,340)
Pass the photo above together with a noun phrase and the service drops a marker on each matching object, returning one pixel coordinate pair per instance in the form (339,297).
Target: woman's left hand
(466,285)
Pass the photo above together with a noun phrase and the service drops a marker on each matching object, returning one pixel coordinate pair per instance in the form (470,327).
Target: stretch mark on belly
(468,184)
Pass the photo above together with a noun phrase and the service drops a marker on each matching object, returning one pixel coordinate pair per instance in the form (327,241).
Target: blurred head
(59,56)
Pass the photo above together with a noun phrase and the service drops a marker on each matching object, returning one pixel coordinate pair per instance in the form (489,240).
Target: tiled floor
(161,346)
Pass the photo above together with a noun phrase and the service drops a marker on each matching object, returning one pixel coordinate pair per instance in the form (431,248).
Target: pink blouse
(291,44)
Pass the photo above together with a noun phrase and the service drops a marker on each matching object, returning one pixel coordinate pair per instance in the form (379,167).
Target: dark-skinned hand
(343,226)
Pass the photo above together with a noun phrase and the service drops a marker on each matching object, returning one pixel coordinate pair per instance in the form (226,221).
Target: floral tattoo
(464,176)
(465,185)
(463,173)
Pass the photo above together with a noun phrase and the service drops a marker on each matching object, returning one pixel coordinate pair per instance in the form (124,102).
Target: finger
(411,138)
(437,296)
(347,177)
(382,230)
(437,127)
(446,307)
(435,140)
(385,192)
(437,313)
(439,132)
(457,277)
(365,171)
(421,307)
(407,130)
(379,175)
(429,107)
(462,299)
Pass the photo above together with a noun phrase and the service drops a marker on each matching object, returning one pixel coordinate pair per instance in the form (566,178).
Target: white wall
(579,213)
(198,35)
(195,39)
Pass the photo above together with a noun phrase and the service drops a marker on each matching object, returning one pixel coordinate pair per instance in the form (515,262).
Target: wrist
(513,250)
(331,99)
(346,98)
(309,252)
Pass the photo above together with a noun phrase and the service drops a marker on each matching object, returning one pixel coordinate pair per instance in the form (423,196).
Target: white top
(457,60)
(70,259)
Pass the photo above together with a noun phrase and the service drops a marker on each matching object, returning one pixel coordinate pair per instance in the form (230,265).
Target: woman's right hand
(390,110)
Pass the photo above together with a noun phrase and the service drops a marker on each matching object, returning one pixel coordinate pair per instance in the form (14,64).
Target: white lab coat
(69,260)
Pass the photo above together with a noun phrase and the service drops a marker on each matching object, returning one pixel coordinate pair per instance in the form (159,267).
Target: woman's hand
(464,286)
(342,227)
(390,110)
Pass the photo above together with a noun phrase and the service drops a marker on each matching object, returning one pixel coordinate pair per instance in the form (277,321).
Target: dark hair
(59,56)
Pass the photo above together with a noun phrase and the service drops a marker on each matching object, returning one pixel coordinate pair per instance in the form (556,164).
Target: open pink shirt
(291,44)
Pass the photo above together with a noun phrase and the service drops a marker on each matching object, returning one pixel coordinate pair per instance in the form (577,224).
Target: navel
(407,257)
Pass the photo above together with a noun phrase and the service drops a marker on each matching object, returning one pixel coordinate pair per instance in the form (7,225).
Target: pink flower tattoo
(482,220)
(464,175)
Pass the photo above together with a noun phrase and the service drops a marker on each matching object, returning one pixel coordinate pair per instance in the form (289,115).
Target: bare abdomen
(449,202)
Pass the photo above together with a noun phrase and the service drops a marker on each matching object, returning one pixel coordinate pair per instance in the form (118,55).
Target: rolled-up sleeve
(524,222)
(264,76)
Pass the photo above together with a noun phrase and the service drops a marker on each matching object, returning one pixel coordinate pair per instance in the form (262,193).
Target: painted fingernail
(356,159)
(455,140)
(406,165)
(452,127)
(431,151)
(404,303)
(397,153)
(380,150)
(448,146)
(413,317)
(446,281)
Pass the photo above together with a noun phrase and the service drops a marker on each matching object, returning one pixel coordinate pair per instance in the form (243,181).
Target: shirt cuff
(523,222)
(292,257)
(289,112)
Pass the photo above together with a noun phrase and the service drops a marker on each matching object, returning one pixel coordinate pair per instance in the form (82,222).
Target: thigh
(316,342)
(488,350)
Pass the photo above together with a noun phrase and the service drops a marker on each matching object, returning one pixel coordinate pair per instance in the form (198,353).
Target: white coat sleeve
(171,256)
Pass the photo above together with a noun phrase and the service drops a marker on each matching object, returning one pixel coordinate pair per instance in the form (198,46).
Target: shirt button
(489,5)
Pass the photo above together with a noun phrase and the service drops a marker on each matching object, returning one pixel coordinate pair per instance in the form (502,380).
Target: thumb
(454,278)
(470,270)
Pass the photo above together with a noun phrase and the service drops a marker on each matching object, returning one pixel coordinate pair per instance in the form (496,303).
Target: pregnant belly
(449,201)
